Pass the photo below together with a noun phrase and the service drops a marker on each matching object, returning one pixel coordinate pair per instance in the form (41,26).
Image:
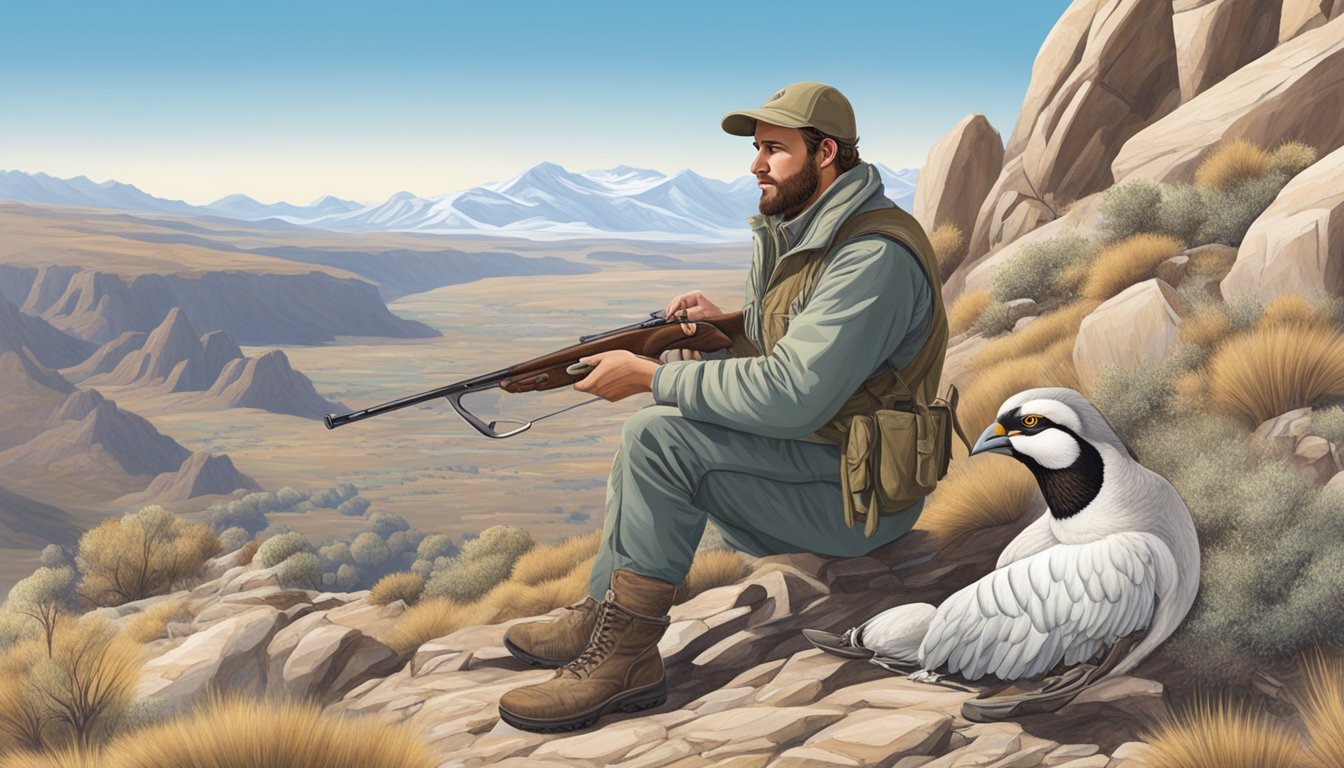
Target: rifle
(649,338)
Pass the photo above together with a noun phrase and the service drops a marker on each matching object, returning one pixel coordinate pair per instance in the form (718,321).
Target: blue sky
(294,100)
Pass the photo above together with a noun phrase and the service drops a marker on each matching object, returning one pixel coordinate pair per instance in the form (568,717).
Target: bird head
(1047,427)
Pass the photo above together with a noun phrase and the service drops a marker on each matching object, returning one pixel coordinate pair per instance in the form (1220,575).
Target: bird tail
(895,634)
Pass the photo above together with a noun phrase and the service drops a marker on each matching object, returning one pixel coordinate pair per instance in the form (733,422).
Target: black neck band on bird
(1067,491)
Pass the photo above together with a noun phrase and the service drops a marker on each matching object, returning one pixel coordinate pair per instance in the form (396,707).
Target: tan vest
(794,280)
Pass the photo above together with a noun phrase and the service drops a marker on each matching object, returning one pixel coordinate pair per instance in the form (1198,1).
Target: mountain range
(544,202)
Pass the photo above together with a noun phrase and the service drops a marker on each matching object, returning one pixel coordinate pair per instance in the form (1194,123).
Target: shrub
(1043,332)
(141,554)
(397,586)
(977,494)
(1182,212)
(1035,272)
(544,563)
(966,310)
(336,554)
(433,618)
(302,570)
(1329,424)
(512,599)
(1128,262)
(466,580)
(44,597)
(949,245)
(353,507)
(1292,309)
(1130,399)
(994,320)
(499,539)
(88,680)
(1292,157)
(435,545)
(53,556)
(25,721)
(1274,369)
(287,498)
(1231,211)
(333,496)
(1230,163)
(232,539)
(348,577)
(1206,325)
(384,524)
(1127,209)
(277,549)
(235,732)
(1273,550)
(1223,736)
(152,623)
(367,549)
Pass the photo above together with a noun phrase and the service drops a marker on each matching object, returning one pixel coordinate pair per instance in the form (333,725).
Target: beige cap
(797,106)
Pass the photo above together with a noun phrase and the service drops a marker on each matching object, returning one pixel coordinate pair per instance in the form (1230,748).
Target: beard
(789,197)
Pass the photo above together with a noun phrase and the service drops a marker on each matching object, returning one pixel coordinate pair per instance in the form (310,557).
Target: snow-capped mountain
(543,202)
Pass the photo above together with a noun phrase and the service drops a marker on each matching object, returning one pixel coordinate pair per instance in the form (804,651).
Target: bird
(1115,554)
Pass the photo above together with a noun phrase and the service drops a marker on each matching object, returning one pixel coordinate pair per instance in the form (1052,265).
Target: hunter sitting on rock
(842,294)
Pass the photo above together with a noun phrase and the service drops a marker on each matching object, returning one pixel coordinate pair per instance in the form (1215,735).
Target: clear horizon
(295,102)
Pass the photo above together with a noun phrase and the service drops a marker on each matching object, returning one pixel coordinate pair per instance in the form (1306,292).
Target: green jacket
(871,307)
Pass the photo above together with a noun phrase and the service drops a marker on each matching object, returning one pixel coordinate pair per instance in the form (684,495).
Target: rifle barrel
(334,420)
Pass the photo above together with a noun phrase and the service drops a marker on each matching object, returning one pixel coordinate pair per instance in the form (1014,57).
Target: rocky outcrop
(959,171)
(1297,244)
(1214,38)
(255,308)
(1291,93)
(50,346)
(107,436)
(269,383)
(79,404)
(108,356)
(1137,327)
(172,355)
(1298,16)
(1106,70)
(202,474)
(32,393)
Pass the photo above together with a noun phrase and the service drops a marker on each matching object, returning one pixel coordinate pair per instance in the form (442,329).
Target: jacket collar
(814,227)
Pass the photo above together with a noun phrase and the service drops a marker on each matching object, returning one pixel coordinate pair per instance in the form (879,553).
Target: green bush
(369,550)
(302,570)
(348,577)
(1272,542)
(993,320)
(232,539)
(1036,271)
(499,539)
(333,496)
(353,507)
(435,545)
(1329,424)
(1292,157)
(1131,399)
(467,580)
(385,524)
(1231,211)
(1128,209)
(277,549)
(1243,312)
(1182,213)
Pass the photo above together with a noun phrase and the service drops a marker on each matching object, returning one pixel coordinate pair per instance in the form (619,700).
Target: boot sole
(631,701)
(535,661)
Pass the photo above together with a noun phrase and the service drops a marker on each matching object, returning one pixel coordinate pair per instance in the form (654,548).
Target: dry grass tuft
(434,618)
(1206,326)
(1293,308)
(238,733)
(1322,708)
(397,586)
(1293,157)
(1274,369)
(152,623)
(710,569)
(1127,262)
(1039,334)
(1223,736)
(949,245)
(966,310)
(553,561)
(1191,390)
(1052,366)
(513,599)
(993,491)
(1231,162)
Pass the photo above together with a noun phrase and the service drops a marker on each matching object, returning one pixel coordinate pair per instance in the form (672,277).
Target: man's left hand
(617,374)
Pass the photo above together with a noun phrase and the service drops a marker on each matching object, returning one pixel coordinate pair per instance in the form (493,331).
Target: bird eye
(1031,421)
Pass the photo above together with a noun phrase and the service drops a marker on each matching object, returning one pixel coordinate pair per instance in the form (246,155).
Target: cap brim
(744,123)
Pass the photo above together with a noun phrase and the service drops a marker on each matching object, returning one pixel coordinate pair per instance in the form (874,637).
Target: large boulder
(227,657)
(1298,16)
(1297,244)
(958,174)
(1292,92)
(1214,38)
(1137,327)
(1106,70)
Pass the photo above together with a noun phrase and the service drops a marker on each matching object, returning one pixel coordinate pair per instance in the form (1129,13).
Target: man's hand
(617,374)
(695,305)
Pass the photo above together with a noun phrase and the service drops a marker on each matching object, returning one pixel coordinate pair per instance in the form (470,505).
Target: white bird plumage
(1119,554)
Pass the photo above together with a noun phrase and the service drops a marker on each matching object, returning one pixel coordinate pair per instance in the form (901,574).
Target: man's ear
(827,152)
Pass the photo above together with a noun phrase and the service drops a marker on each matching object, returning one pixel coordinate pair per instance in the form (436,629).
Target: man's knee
(650,427)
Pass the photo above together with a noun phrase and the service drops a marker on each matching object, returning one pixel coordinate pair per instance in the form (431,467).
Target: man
(835,300)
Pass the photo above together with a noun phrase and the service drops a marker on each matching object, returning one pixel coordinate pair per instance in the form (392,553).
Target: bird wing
(1066,602)
(1034,538)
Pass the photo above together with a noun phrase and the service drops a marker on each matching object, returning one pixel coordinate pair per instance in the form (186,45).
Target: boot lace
(601,642)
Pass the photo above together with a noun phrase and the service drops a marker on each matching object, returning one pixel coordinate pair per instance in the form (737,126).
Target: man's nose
(759,166)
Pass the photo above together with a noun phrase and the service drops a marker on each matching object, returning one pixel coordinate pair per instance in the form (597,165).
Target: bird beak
(993,440)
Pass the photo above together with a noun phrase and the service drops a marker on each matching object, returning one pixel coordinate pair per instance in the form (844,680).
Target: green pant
(768,496)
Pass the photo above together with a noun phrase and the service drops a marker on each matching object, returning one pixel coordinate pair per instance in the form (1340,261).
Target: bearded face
(787,197)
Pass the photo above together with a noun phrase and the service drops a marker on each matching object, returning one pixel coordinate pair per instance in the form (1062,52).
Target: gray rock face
(1214,38)
(1137,327)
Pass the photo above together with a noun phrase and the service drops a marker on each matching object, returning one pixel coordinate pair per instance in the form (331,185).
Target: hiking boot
(553,643)
(620,669)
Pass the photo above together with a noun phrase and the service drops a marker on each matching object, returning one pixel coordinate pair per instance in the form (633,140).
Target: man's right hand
(694,303)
